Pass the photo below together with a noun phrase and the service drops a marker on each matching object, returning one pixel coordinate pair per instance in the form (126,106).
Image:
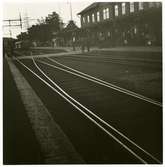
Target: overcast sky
(36,10)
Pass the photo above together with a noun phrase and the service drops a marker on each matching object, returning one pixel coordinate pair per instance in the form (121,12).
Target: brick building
(123,23)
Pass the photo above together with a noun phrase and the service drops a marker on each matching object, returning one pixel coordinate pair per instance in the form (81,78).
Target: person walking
(74,43)
(85,42)
(82,43)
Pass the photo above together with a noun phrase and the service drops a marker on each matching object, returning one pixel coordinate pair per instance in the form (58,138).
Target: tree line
(44,29)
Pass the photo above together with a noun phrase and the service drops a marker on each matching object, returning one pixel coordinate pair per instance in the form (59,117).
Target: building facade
(123,23)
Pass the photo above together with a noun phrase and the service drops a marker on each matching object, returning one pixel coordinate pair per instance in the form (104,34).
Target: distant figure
(74,43)
(85,42)
(82,42)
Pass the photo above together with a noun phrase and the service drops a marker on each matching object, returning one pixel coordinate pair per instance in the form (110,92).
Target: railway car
(8,46)
(22,45)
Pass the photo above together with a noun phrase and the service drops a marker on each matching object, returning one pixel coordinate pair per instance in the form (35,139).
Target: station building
(123,23)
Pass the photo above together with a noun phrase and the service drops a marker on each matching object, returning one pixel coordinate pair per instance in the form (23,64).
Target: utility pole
(26,18)
(18,23)
(20,19)
(10,33)
(13,23)
(71,11)
(70,8)
(59,8)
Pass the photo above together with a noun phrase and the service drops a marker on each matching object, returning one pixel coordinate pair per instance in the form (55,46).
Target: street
(106,118)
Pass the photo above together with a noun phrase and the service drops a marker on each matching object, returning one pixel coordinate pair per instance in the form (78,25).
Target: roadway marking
(101,82)
(52,140)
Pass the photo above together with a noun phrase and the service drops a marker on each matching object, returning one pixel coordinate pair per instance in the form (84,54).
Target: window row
(106,11)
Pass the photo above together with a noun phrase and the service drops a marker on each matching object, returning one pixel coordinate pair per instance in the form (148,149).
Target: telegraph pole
(26,20)
(71,11)
(10,33)
(20,19)
(18,23)
(11,23)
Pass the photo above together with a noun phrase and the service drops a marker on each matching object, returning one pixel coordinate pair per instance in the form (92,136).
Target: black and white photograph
(82,82)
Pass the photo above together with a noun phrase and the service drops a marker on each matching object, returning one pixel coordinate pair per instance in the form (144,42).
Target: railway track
(143,79)
(72,71)
(115,60)
(132,148)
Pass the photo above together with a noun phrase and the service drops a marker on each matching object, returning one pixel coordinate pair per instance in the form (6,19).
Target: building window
(131,7)
(123,8)
(158,4)
(141,7)
(93,18)
(109,34)
(116,10)
(98,16)
(88,19)
(106,13)
(83,19)
(151,4)
(135,30)
(100,34)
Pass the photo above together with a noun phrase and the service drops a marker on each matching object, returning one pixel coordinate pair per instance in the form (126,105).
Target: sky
(36,9)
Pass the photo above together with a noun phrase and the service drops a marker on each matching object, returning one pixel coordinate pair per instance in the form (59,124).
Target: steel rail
(79,109)
(113,58)
(100,119)
(111,127)
(106,131)
(67,98)
(102,82)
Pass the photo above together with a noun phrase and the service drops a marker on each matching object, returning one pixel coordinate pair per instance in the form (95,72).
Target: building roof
(92,6)
(71,26)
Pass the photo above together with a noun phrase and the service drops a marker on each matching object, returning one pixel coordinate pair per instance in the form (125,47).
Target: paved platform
(20,145)
(54,144)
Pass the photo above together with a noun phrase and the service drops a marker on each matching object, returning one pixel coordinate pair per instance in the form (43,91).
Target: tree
(44,29)
(22,36)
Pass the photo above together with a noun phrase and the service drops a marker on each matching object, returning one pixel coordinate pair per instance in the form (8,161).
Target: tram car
(8,46)
(22,45)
